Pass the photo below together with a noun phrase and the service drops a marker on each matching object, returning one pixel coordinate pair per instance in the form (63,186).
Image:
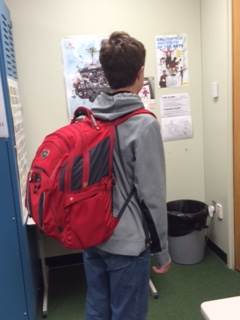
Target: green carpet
(182,290)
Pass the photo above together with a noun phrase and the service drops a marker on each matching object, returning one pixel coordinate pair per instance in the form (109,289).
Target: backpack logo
(45,153)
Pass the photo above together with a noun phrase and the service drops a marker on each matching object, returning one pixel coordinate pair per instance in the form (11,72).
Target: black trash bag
(186,216)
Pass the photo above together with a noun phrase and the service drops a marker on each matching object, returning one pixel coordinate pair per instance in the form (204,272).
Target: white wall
(39,26)
(216,50)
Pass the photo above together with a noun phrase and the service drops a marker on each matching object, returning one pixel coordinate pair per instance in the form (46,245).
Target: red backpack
(69,187)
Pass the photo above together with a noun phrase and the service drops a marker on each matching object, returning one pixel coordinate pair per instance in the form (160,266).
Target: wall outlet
(211,209)
(219,211)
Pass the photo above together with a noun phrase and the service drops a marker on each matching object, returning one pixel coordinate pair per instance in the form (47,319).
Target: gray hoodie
(140,164)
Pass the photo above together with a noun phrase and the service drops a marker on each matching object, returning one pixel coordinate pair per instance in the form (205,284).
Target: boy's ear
(142,68)
(140,72)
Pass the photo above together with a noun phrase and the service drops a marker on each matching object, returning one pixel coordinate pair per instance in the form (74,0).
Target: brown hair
(121,57)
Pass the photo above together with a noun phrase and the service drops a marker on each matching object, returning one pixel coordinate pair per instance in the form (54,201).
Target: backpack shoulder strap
(116,123)
(129,115)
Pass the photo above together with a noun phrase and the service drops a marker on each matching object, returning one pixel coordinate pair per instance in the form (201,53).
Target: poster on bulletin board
(172,60)
(84,77)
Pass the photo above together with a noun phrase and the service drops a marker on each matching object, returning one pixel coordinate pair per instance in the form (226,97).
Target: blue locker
(18,287)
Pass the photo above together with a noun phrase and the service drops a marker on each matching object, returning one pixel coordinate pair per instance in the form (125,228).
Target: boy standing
(117,271)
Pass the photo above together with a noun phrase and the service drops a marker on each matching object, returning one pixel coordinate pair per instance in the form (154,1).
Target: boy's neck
(131,89)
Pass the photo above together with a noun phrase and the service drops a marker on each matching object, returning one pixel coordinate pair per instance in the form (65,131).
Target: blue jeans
(117,285)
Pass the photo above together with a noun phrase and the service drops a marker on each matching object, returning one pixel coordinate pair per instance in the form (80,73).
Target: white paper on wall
(3,119)
(176,120)
(20,140)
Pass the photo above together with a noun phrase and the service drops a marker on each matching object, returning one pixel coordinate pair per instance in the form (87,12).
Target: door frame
(236,125)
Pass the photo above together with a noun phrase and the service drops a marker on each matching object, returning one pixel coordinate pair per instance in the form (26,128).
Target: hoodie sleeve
(151,187)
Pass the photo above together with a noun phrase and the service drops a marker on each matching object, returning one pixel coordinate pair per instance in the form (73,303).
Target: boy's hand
(163,269)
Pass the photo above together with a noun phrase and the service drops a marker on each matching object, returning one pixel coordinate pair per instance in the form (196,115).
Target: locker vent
(8,47)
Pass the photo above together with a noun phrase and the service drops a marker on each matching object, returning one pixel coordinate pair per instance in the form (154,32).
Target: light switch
(215,90)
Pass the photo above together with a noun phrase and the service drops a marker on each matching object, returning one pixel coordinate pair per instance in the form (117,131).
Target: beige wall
(216,50)
(39,26)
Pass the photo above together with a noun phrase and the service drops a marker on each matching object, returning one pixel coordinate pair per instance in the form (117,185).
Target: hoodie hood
(112,106)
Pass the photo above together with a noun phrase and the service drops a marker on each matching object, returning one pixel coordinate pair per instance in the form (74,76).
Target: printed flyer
(176,119)
(172,60)
(147,92)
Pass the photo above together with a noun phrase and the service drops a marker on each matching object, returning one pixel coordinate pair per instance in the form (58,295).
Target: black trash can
(187,222)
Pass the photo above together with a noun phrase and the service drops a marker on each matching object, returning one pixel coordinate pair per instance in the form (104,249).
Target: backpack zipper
(41,206)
